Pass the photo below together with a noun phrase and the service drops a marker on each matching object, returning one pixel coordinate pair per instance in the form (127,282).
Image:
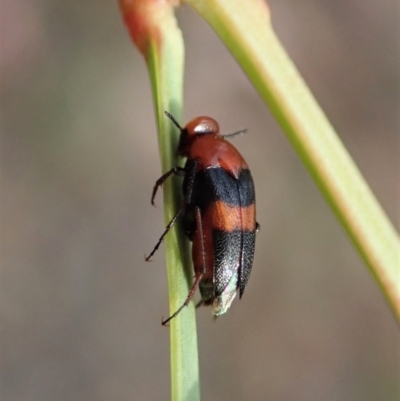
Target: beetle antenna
(172,118)
(233,134)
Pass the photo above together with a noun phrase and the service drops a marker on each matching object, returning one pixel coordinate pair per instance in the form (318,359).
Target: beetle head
(193,129)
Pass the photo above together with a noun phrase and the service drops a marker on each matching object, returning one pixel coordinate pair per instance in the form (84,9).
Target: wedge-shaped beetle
(219,214)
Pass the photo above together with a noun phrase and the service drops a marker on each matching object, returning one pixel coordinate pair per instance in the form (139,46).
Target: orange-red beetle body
(219,214)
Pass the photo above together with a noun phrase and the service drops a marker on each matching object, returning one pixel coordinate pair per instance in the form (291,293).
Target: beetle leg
(160,181)
(186,200)
(199,227)
(191,172)
(169,226)
(188,299)
(198,276)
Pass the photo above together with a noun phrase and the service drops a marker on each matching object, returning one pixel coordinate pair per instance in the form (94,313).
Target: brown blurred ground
(80,310)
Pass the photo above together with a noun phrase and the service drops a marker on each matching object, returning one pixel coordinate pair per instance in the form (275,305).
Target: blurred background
(81,310)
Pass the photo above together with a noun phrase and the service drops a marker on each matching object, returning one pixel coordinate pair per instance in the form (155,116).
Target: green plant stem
(166,74)
(165,64)
(244,26)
